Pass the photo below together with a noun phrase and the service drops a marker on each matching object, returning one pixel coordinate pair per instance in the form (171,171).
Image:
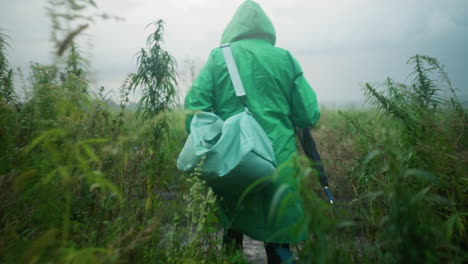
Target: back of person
(280,99)
(268,80)
(277,93)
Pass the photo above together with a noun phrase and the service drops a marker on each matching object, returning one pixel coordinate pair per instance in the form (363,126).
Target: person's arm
(200,96)
(305,112)
(304,106)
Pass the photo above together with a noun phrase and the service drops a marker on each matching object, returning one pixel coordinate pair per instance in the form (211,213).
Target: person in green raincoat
(280,99)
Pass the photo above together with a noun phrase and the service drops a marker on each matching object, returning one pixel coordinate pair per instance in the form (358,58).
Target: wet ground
(254,251)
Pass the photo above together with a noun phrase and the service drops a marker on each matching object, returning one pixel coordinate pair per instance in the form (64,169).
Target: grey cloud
(339,43)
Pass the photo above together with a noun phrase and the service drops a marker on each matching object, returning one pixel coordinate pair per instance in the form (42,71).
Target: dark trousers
(276,253)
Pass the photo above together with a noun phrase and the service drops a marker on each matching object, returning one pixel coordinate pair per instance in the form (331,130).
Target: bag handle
(232,69)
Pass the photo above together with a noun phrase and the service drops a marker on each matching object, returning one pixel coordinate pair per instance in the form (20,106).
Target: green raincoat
(280,99)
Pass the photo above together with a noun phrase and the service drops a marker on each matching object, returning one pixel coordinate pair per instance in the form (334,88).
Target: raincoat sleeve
(200,96)
(304,106)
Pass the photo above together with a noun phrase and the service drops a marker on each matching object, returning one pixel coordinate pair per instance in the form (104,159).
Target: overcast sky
(340,44)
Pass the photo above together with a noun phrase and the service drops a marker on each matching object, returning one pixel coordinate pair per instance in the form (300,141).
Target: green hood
(249,22)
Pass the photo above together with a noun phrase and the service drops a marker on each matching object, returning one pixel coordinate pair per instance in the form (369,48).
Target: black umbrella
(310,149)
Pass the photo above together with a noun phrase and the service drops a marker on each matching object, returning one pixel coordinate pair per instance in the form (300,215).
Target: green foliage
(398,175)
(83,181)
(194,238)
(7,94)
(8,107)
(69,19)
(420,104)
(156,75)
(408,228)
(427,145)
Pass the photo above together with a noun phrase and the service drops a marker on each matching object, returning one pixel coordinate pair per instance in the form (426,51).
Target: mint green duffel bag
(234,155)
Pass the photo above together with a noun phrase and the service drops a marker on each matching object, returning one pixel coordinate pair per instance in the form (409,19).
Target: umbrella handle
(310,149)
(327,191)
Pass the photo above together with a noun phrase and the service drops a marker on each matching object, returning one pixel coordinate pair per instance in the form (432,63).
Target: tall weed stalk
(156,77)
(430,131)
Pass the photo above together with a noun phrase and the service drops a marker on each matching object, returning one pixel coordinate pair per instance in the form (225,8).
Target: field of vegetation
(85,181)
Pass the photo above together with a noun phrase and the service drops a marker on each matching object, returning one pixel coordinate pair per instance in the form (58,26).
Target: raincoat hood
(249,22)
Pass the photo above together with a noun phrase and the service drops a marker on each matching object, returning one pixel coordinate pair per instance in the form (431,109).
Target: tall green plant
(418,104)
(56,159)
(407,225)
(8,107)
(57,182)
(431,139)
(156,78)
(7,93)
(156,75)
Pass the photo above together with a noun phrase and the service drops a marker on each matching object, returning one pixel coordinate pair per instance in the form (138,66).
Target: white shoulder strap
(232,68)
